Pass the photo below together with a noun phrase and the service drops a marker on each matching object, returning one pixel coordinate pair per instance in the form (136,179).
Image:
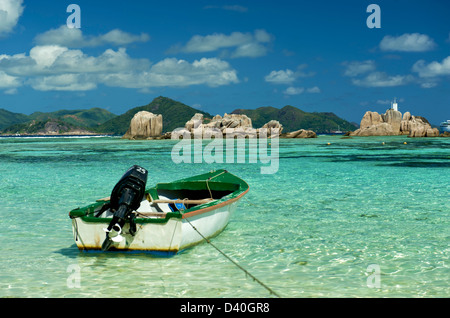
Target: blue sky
(218,56)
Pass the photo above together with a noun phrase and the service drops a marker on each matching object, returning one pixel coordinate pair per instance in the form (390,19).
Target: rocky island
(393,123)
(146,125)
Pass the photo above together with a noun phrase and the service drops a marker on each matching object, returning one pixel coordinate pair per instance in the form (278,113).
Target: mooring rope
(209,179)
(231,260)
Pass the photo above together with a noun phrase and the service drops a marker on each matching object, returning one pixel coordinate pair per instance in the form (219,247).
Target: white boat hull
(166,238)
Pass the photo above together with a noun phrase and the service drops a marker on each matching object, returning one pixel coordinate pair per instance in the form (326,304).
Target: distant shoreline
(57,136)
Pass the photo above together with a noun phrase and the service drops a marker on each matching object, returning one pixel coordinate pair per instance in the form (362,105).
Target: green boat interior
(196,191)
(166,200)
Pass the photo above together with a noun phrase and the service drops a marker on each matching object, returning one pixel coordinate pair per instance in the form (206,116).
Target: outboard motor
(125,198)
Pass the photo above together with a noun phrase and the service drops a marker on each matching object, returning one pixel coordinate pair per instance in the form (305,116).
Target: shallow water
(310,230)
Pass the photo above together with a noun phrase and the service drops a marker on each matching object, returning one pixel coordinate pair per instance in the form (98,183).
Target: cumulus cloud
(428,84)
(432,69)
(356,68)
(53,67)
(244,44)
(10,12)
(314,90)
(176,73)
(364,74)
(8,81)
(300,90)
(294,90)
(287,76)
(281,77)
(381,79)
(56,60)
(408,42)
(73,37)
(63,82)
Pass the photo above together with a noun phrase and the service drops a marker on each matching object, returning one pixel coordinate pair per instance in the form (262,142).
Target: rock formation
(392,123)
(230,125)
(145,125)
(236,126)
(393,118)
(302,133)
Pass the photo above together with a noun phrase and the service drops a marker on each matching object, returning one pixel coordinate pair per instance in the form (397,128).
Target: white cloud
(177,73)
(381,79)
(281,77)
(294,90)
(250,50)
(432,69)
(10,12)
(11,91)
(408,42)
(287,76)
(428,84)
(73,37)
(7,81)
(314,89)
(53,67)
(213,42)
(245,44)
(57,60)
(63,82)
(356,68)
(300,90)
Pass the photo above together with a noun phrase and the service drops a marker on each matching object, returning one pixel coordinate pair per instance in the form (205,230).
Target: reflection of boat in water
(445,126)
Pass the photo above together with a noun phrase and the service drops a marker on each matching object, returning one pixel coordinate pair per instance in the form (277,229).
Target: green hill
(175,115)
(8,118)
(294,119)
(45,127)
(86,119)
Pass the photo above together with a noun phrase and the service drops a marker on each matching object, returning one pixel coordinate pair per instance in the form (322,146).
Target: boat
(338,131)
(445,126)
(163,220)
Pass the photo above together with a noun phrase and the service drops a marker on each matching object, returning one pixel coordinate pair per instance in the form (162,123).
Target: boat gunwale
(86,212)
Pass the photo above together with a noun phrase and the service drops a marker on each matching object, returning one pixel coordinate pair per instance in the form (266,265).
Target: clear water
(310,230)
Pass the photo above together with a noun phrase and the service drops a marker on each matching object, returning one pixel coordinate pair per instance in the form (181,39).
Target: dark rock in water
(302,133)
(301,263)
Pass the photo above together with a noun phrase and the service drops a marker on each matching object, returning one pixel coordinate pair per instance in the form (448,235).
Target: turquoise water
(310,230)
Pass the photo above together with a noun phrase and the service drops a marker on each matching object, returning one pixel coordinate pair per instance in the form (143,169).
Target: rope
(231,260)
(209,179)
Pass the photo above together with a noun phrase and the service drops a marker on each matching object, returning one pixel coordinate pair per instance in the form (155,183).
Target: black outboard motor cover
(125,198)
(130,189)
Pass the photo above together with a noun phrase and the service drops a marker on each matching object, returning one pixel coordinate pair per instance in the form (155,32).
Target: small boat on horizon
(162,220)
(338,131)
